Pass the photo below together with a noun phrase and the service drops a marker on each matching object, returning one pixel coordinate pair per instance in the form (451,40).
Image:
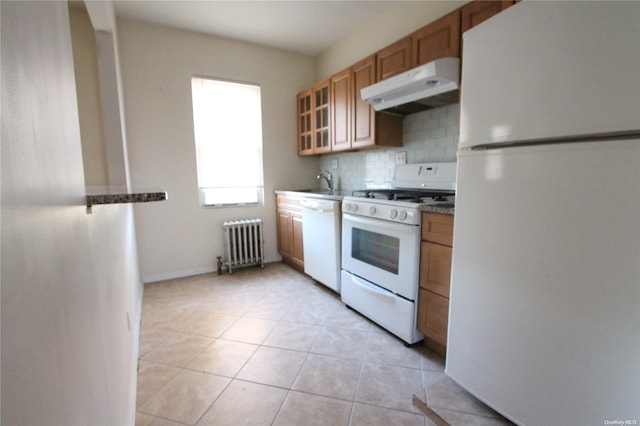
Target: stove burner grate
(409,195)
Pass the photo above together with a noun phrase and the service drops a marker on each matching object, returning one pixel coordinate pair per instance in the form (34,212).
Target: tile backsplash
(428,136)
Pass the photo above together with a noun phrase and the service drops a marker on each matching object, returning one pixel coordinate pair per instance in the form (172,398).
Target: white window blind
(227,122)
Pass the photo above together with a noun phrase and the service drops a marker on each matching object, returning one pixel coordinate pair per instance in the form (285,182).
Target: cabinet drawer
(289,203)
(433,316)
(437,228)
(435,268)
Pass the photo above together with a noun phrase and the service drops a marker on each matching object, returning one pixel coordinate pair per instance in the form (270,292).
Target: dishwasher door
(321,240)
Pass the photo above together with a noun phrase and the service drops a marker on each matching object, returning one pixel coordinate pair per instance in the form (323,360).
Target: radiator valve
(219,264)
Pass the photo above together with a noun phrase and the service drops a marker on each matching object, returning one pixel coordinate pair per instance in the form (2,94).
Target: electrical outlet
(334,163)
(401,157)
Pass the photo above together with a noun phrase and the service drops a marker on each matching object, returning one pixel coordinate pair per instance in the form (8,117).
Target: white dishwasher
(321,240)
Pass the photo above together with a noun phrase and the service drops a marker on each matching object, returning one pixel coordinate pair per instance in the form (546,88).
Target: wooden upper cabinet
(433,318)
(341,110)
(332,115)
(394,59)
(305,123)
(321,106)
(365,128)
(363,125)
(439,39)
(313,120)
(340,119)
(476,12)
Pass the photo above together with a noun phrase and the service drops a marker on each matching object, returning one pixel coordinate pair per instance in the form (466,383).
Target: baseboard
(191,272)
(178,274)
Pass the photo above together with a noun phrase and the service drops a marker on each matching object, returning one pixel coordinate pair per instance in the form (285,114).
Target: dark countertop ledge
(120,195)
(440,208)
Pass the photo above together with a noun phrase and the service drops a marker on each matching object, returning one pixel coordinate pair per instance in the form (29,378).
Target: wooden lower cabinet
(285,231)
(290,244)
(297,252)
(433,316)
(435,262)
(435,278)
(437,228)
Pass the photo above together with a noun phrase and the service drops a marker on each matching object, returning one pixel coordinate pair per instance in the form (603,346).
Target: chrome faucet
(326,175)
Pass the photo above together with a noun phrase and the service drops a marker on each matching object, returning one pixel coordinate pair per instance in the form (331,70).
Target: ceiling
(307,27)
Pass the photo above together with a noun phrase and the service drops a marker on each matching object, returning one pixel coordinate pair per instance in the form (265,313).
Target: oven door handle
(367,287)
(380,224)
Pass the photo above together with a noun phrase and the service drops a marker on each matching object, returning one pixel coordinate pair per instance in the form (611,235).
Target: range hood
(427,86)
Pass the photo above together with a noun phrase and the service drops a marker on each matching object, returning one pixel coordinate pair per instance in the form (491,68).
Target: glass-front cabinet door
(321,116)
(305,123)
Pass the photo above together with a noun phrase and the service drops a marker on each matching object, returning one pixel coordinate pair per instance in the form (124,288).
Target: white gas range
(381,245)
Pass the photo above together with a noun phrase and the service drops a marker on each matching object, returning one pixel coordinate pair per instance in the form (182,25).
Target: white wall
(86,69)
(178,237)
(398,20)
(71,290)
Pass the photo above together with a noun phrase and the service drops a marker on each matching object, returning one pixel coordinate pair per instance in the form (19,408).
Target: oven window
(381,251)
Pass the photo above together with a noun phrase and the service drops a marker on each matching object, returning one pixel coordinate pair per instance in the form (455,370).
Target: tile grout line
(318,299)
(355,393)
(261,345)
(284,400)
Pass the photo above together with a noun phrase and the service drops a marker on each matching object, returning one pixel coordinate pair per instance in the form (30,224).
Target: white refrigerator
(544,320)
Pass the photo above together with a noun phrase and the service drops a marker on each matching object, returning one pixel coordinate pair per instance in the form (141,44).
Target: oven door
(381,252)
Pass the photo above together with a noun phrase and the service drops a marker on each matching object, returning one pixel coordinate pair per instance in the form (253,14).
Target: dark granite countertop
(447,208)
(440,208)
(120,195)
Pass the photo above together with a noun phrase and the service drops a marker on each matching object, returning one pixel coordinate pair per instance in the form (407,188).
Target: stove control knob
(402,215)
(393,214)
(354,208)
(372,210)
(347,207)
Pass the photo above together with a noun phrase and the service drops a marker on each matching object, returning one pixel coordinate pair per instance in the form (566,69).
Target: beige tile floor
(272,347)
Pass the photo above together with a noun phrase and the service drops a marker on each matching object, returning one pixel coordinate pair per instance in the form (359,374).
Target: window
(227,122)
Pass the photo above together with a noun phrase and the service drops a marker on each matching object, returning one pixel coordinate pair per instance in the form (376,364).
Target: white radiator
(244,243)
